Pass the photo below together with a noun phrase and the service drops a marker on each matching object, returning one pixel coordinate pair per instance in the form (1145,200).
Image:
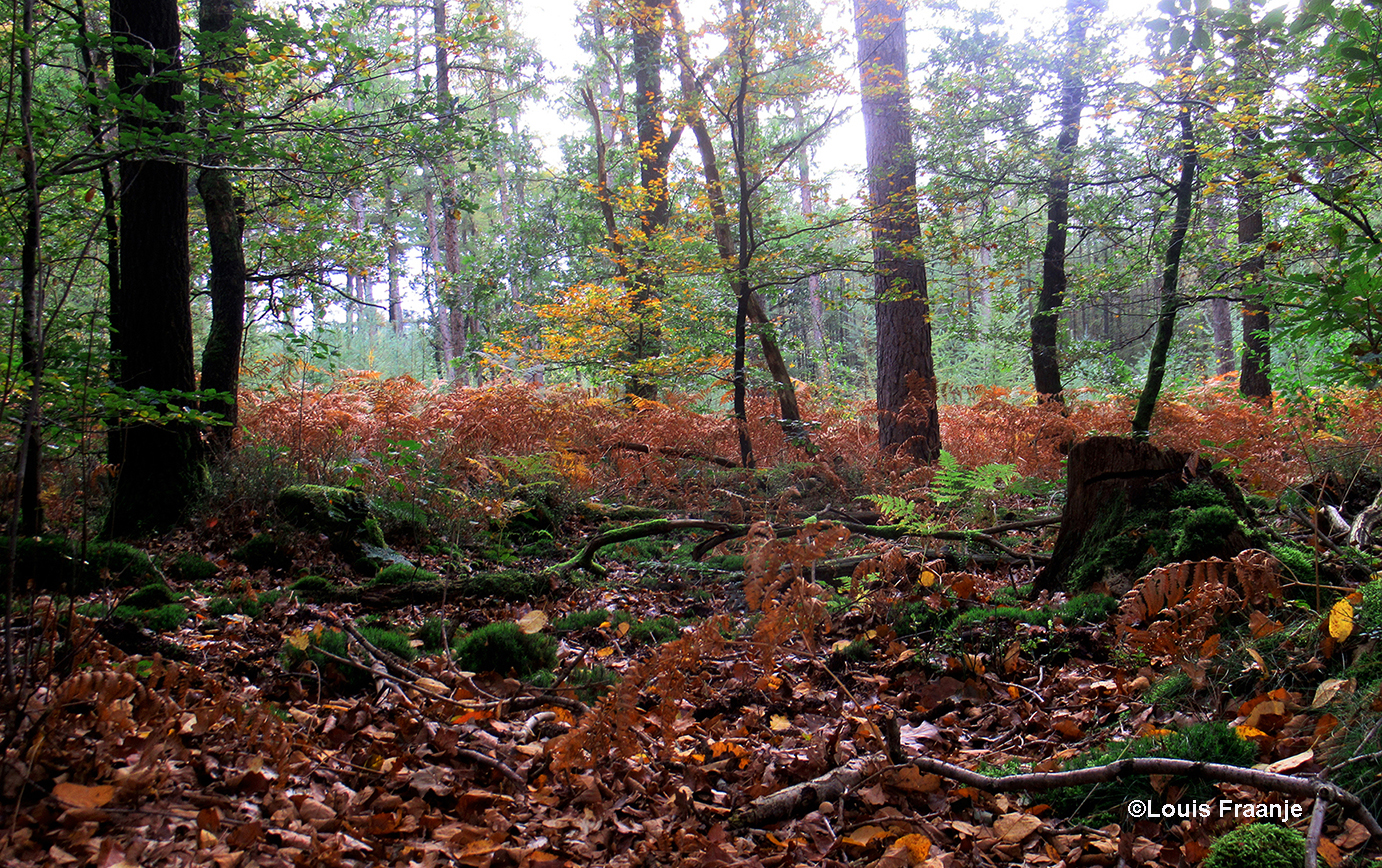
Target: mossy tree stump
(1130,506)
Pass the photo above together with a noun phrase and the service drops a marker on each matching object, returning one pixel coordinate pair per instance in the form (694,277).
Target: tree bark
(647,20)
(1046,320)
(1254,372)
(907,416)
(451,304)
(223,22)
(1170,295)
(150,315)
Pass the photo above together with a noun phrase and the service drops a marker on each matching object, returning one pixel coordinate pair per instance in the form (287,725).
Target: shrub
(503,647)
(1259,845)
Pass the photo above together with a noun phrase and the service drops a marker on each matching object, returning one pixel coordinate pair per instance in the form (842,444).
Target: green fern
(901,511)
(954,482)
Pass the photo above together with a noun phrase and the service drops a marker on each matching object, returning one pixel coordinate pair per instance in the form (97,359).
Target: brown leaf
(1012,828)
(79,796)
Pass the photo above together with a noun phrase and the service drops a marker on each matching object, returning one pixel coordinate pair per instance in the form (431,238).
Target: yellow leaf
(533,622)
(605,652)
(864,835)
(1341,620)
(928,578)
(299,640)
(779,723)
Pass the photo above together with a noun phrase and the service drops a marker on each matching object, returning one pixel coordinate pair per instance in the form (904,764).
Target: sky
(552,25)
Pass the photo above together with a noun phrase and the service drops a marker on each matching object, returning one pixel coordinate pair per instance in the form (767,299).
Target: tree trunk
(451,305)
(395,256)
(1254,373)
(907,417)
(1046,320)
(1170,295)
(224,21)
(151,317)
(647,20)
(1221,324)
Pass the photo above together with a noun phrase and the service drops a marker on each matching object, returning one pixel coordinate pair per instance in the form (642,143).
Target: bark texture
(907,418)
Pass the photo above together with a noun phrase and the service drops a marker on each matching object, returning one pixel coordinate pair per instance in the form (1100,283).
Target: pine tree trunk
(907,417)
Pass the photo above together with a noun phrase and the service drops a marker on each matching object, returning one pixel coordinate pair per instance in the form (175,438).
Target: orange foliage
(463,433)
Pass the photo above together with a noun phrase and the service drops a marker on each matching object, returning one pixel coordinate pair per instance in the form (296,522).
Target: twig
(1312,839)
(498,766)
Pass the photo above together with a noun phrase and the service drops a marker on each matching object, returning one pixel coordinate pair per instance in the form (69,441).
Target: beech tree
(907,415)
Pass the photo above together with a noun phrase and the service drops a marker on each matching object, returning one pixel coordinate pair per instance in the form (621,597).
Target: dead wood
(670,451)
(803,797)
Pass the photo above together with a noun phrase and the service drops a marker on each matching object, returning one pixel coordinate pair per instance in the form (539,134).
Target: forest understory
(440,668)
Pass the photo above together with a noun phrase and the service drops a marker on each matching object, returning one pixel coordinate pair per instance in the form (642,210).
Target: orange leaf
(79,796)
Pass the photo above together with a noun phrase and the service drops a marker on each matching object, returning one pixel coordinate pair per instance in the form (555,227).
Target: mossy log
(725,532)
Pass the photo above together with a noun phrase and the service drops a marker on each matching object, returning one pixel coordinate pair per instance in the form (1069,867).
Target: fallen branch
(803,797)
(585,559)
(669,451)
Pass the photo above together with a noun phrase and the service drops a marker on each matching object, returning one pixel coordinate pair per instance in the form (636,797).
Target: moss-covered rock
(314,588)
(403,574)
(506,584)
(344,515)
(1259,845)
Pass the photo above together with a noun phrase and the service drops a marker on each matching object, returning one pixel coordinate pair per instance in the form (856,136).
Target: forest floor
(670,693)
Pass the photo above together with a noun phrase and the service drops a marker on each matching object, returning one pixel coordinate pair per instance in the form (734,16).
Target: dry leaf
(864,835)
(533,622)
(1341,620)
(1012,828)
(1328,690)
(79,796)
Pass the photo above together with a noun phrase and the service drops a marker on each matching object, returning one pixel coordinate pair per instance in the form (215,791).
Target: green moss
(391,641)
(433,634)
(1201,532)
(1296,561)
(1210,742)
(1088,609)
(858,651)
(150,597)
(654,631)
(1168,688)
(506,584)
(920,617)
(503,647)
(125,564)
(589,619)
(192,567)
(311,660)
(314,588)
(402,574)
(1010,613)
(1259,845)
(1370,610)
(1200,494)
(220,607)
(261,551)
(325,508)
(401,517)
(160,620)
(263,601)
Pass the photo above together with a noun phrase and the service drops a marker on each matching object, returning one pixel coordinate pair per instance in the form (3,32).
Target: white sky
(552,24)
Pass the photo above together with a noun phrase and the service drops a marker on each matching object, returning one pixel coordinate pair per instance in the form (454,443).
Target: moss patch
(1259,845)
(503,647)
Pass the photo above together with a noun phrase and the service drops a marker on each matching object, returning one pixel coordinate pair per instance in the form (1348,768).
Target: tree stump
(1128,505)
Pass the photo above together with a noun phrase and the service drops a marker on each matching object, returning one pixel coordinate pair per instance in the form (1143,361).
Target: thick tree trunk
(907,417)
(150,316)
(224,224)
(1254,379)
(1046,320)
(1170,294)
